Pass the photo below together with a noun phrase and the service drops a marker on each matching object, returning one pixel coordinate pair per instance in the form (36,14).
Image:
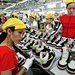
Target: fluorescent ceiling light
(15,4)
(51,5)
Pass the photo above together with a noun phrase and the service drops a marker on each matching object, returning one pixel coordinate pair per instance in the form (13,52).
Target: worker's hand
(28,63)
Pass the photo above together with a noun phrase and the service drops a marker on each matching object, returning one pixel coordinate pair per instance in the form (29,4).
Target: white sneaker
(62,42)
(62,63)
(71,67)
(47,59)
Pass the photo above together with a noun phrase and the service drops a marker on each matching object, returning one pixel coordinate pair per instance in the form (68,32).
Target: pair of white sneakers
(62,63)
(71,64)
(67,61)
(62,42)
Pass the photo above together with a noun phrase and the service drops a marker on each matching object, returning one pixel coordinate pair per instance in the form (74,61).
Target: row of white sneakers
(59,42)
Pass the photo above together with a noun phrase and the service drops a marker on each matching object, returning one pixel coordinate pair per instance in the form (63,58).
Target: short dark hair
(12,28)
(68,4)
(4,34)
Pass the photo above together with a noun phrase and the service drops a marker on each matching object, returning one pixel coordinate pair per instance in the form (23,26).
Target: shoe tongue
(44,57)
(65,53)
(65,56)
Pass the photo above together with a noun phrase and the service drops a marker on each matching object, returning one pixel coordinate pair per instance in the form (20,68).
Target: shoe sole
(70,71)
(62,68)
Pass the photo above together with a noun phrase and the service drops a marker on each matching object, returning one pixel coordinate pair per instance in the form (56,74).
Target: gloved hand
(21,59)
(28,63)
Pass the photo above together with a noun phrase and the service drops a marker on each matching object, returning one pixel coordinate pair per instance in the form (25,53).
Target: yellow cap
(15,14)
(48,16)
(69,1)
(33,15)
(18,24)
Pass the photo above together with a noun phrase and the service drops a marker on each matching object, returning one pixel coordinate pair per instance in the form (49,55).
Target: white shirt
(34,24)
(48,28)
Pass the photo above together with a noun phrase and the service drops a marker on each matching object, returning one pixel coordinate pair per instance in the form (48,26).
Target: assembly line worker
(32,22)
(49,20)
(50,25)
(49,28)
(13,32)
(68,20)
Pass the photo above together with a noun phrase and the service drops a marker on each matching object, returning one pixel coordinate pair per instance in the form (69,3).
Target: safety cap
(18,24)
(33,15)
(48,16)
(69,1)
